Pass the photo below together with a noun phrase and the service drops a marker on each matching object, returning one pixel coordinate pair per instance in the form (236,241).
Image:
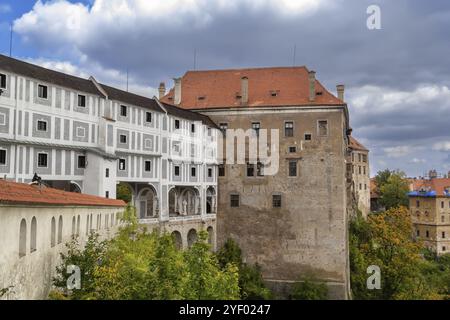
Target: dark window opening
(148,116)
(81,101)
(148,166)
(42,125)
(308,137)
(276,201)
(250,170)
(292,149)
(2,81)
(223,127)
(193,128)
(177,124)
(123,138)
(221,170)
(122,164)
(107,194)
(123,111)
(193,171)
(177,171)
(209,173)
(2,157)
(42,91)
(289,129)
(81,162)
(292,168)
(42,160)
(107,173)
(234,201)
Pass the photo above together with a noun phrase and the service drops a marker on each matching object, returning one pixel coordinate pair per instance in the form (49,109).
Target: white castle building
(80,135)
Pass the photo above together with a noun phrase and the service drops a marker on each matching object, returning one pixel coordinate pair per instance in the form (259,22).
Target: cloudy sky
(397,78)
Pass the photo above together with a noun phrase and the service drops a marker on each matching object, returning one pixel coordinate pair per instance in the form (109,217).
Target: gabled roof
(221,88)
(356,145)
(46,75)
(21,193)
(430,187)
(188,115)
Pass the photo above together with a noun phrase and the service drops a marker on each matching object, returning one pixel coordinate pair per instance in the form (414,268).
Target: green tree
(309,289)
(124,192)
(251,283)
(394,191)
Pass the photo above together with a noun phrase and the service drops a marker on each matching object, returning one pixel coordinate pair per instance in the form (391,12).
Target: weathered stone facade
(360,175)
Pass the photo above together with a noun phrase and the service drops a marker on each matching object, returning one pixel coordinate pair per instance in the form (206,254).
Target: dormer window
(81,101)
(42,91)
(123,111)
(201,98)
(2,81)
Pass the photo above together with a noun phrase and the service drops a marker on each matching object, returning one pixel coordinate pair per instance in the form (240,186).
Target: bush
(309,289)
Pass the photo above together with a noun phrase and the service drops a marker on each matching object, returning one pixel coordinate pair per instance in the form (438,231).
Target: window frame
(327,128)
(221,170)
(80,156)
(6,157)
(176,124)
(3,76)
(275,202)
(46,159)
(147,114)
(146,143)
(233,201)
(123,108)
(289,168)
(307,134)
(84,98)
(145,165)
(193,172)
(42,121)
(209,172)
(120,139)
(175,169)
(286,128)
(40,85)
(77,133)
(2,123)
(124,161)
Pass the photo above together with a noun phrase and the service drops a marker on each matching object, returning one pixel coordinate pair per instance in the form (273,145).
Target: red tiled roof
(356,145)
(435,184)
(219,88)
(21,193)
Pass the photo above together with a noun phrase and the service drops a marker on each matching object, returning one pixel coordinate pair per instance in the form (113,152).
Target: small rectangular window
(308,137)
(427,234)
(443,234)
(81,101)
(2,157)
(148,117)
(250,170)
(81,162)
(42,160)
(192,128)
(221,170)
(107,194)
(292,168)
(42,91)
(177,124)
(123,111)
(122,164)
(289,129)
(148,166)
(234,200)
(2,81)
(209,173)
(276,201)
(417,203)
(177,171)
(193,172)
(292,149)
(256,126)
(42,125)
(323,127)
(418,233)
(123,138)
(107,173)
(260,169)
(223,127)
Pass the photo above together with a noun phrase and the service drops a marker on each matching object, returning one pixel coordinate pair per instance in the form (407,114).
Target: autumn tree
(393,188)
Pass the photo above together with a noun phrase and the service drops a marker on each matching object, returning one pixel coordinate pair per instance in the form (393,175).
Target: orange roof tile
(220,88)
(356,145)
(21,193)
(439,185)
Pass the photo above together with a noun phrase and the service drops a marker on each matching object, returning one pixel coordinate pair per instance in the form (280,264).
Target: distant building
(359,159)
(429,203)
(375,205)
(294,222)
(35,223)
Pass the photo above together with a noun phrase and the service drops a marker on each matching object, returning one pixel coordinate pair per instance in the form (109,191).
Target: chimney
(244,90)
(162,90)
(312,85)
(177,91)
(432,174)
(340,91)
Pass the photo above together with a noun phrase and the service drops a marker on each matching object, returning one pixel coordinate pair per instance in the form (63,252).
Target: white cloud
(442,146)
(398,152)
(417,161)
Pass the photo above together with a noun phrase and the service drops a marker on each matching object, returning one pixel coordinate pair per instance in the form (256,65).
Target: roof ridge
(247,68)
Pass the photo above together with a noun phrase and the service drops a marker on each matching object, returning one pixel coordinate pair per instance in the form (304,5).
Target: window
(81,162)
(417,203)
(193,128)
(23,238)
(364,158)
(359,169)
(193,172)
(256,126)
(250,170)
(177,171)
(81,101)
(2,157)
(42,160)
(123,111)
(107,194)
(444,248)
(53,233)
(60,229)
(234,200)
(42,91)
(177,124)
(123,138)
(276,201)
(209,172)
(323,127)
(360,186)
(221,170)
(292,149)
(442,204)
(42,125)
(292,168)
(307,137)
(148,117)
(418,233)
(365,186)
(2,81)
(122,164)
(427,234)
(359,157)
(443,234)
(289,129)
(107,173)
(223,127)
(2,119)
(148,166)
(364,169)
(259,169)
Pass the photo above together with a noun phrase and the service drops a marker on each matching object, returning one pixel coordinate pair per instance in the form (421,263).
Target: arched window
(210,235)
(53,234)
(78,225)
(178,241)
(33,246)
(191,237)
(73,226)
(60,229)
(23,238)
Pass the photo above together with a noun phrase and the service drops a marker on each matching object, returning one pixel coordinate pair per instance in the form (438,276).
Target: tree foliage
(123,192)
(309,289)
(393,188)
(251,283)
(385,240)
(139,265)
